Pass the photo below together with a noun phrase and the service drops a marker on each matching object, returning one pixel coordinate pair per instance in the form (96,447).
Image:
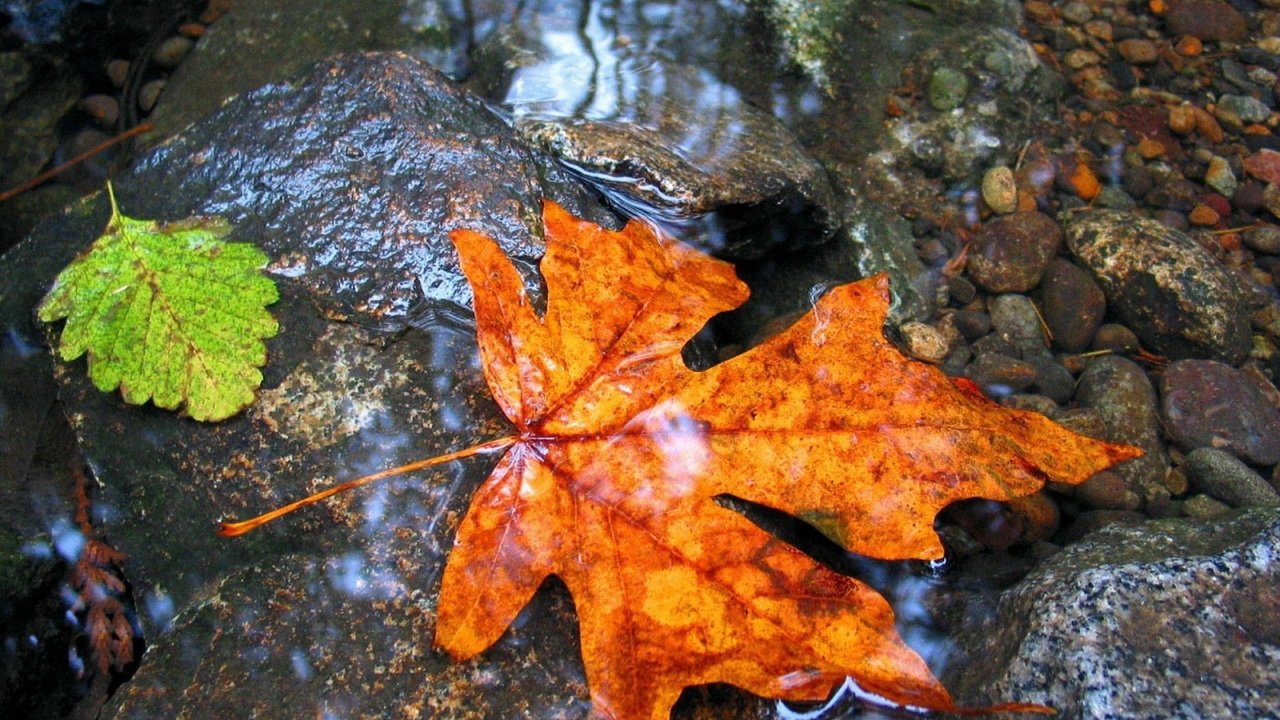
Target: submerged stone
(1169,619)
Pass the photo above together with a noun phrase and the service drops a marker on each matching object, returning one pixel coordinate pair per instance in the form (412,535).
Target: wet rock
(1248,109)
(924,342)
(1119,391)
(1203,507)
(172,51)
(1138,51)
(1208,404)
(1179,300)
(1223,476)
(1115,338)
(349,179)
(1014,319)
(270,41)
(1183,610)
(1010,254)
(1206,20)
(880,241)
(1106,491)
(1264,238)
(1072,305)
(1000,375)
(1220,177)
(947,89)
(999,190)
(971,323)
(1052,379)
(699,148)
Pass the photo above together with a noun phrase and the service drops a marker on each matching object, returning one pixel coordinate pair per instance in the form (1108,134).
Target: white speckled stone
(1174,619)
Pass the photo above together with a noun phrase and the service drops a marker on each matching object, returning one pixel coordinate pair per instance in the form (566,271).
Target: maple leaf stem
(235,529)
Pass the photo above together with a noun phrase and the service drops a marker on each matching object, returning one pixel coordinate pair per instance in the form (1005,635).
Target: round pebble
(999,190)
(1015,319)
(1224,477)
(102,108)
(172,51)
(149,94)
(117,72)
(1138,51)
(1220,177)
(924,342)
(1106,491)
(1116,338)
(1000,375)
(947,89)
(1010,253)
(1071,304)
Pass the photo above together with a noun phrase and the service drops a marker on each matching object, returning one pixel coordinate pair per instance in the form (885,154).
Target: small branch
(235,529)
(96,150)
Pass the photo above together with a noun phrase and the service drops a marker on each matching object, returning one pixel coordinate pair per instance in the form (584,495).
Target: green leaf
(168,313)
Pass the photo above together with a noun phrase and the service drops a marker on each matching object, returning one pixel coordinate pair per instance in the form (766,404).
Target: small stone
(924,342)
(1031,403)
(117,72)
(971,323)
(1077,12)
(999,190)
(104,109)
(1203,216)
(1182,118)
(947,89)
(1106,491)
(1206,20)
(1138,51)
(1115,338)
(1000,375)
(1220,177)
(1211,404)
(1010,253)
(1053,380)
(1080,58)
(1270,44)
(149,94)
(1263,238)
(172,51)
(1100,29)
(1223,476)
(1249,109)
(961,290)
(1203,507)
(1150,148)
(1264,165)
(1015,320)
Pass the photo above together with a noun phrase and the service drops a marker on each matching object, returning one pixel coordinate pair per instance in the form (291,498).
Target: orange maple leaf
(620,451)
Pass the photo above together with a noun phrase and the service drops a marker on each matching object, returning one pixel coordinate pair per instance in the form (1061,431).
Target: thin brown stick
(234,529)
(95,150)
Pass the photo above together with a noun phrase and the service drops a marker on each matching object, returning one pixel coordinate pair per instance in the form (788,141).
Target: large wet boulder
(1169,290)
(350,179)
(1171,619)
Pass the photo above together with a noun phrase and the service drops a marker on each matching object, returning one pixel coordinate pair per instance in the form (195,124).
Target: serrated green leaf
(167,313)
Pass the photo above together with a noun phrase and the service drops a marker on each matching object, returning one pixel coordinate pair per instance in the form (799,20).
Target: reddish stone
(1264,165)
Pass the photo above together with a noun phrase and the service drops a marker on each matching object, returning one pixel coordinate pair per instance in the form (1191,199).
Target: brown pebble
(191,30)
(1182,119)
(1116,338)
(117,72)
(924,342)
(1138,51)
(1106,491)
(148,94)
(1150,149)
(102,108)
(1203,216)
(171,52)
(1175,481)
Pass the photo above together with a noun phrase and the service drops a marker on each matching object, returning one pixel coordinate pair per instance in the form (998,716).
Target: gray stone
(1014,318)
(1249,109)
(1223,476)
(1204,403)
(1180,301)
(1173,619)
(1264,238)
(1119,391)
